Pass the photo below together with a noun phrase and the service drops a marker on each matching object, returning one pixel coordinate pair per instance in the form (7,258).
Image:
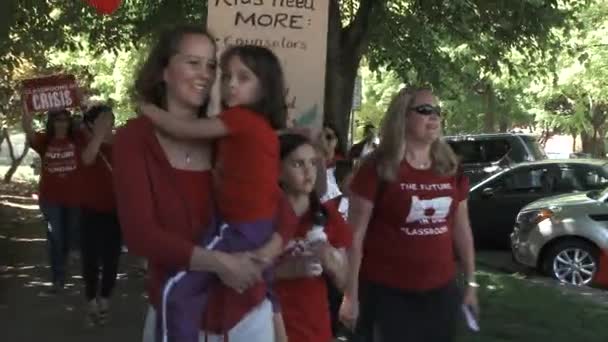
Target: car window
(591,177)
(526,181)
(537,151)
(480,151)
(568,179)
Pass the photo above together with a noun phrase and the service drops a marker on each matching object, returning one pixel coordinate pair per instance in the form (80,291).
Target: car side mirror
(487,192)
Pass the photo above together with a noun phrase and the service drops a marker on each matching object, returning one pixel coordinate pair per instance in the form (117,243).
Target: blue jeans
(63,226)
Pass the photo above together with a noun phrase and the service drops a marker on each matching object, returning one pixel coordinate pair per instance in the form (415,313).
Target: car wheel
(572,261)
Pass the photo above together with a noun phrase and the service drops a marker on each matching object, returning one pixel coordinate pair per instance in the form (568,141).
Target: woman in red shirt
(163,187)
(408,209)
(317,249)
(101,238)
(59,147)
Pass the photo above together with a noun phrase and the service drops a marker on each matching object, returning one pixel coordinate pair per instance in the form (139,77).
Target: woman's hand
(103,125)
(349,311)
(239,271)
(470,299)
(325,253)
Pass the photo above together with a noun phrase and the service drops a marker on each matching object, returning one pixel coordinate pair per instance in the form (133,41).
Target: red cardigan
(153,216)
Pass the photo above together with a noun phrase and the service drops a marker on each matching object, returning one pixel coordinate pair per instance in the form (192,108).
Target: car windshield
(535,148)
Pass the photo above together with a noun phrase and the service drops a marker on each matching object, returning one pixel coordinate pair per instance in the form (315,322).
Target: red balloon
(105,6)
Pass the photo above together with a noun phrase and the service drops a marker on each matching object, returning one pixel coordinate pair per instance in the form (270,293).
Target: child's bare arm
(271,250)
(280,333)
(194,128)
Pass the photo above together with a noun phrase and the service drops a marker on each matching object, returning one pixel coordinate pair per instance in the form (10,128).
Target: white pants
(256,326)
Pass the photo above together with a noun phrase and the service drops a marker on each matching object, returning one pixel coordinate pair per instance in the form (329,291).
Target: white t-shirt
(333,190)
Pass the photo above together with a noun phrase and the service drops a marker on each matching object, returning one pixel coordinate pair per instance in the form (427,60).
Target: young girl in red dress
(316,252)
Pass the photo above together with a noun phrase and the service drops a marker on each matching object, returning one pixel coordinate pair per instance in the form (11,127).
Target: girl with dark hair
(59,148)
(317,250)
(101,238)
(247,163)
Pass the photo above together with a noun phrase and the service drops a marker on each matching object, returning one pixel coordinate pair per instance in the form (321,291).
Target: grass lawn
(514,309)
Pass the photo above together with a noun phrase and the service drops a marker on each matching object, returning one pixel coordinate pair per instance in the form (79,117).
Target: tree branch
(11,149)
(355,36)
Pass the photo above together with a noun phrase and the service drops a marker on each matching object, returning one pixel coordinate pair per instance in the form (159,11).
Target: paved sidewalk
(27,313)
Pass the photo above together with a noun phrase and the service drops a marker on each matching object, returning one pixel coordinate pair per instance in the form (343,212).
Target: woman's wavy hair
(391,150)
(149,84)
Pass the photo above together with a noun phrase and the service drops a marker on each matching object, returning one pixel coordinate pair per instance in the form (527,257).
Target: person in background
(408,210)
(316,252)
(365,146)
(59,147)
(101,237)
(344,175)
(331,152)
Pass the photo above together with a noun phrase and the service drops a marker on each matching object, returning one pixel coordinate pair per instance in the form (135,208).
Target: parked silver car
(564,236)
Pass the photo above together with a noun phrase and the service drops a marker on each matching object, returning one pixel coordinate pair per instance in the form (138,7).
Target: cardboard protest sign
(50,93)
(296,30)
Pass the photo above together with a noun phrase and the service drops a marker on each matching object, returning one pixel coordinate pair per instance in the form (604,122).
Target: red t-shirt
(304,300)
(163,212)
(194,188)
(248,167)
(409,242)
(97,192)
(59,176)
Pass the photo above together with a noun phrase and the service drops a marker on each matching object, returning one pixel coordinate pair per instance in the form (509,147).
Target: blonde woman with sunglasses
(408,209)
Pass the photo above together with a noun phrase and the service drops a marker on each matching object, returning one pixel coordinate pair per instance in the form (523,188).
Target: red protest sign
(50,93)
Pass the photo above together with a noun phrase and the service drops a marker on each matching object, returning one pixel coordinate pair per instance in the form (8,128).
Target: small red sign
(50,93)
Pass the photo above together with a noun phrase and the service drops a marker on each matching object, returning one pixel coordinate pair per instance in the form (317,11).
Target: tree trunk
(1,140)
(345,47)
(503,124)
(587,142)
(490,115)
(574,135)
(15,160)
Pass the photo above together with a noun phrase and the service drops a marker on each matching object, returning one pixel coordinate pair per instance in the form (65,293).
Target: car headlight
(534,217)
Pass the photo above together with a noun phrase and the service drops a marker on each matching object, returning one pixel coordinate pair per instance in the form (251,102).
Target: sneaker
(92,317)
(104,309)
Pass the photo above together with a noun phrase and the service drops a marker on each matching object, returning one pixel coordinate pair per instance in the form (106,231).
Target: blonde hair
(391,151)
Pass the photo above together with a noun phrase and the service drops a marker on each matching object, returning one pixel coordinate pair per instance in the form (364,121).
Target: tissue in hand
(316,234)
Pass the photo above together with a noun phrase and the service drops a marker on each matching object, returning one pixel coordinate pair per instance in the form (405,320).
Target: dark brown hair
(52,116)
(267,68)
(149,84)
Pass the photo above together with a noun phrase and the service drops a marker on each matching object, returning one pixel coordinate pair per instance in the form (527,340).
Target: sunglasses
(427,109)
(330,137)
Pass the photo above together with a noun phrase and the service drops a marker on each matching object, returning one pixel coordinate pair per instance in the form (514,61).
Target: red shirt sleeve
(340,235)
(237,120)
(287,221)
(142,232)
(365,181)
